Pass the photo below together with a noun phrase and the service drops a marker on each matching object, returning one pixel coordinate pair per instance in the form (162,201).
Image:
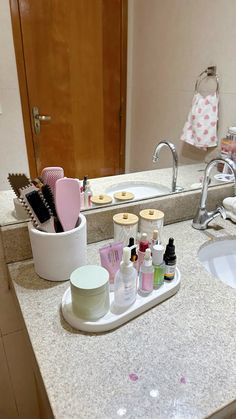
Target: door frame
(24,94)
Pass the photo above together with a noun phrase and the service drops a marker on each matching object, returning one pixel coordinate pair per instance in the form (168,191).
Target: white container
(113,319)
(90,292)
(20,211)
(151,219)
(57,255)
(125,226)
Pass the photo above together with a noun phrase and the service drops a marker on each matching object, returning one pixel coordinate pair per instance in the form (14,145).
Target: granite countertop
(178,360)
(187,175)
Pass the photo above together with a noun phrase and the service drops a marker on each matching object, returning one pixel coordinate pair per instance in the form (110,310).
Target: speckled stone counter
(178,360)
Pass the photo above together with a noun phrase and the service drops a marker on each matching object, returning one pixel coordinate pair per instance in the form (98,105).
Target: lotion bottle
(146,274)
(125,286)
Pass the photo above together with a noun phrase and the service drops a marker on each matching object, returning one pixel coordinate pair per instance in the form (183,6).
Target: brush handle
(37,208)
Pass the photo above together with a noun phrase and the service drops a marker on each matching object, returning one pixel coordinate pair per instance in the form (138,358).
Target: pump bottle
(125,284)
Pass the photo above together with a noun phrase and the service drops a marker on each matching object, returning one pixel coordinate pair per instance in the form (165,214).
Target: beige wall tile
(8,408)
(10,316)
(22,376)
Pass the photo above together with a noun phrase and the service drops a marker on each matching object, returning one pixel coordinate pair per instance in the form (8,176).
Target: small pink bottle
(143,245)
(146,274)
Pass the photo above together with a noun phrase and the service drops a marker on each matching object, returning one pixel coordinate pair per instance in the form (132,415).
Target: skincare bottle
(143,245)
(125,286)
(146,274)
(170,260)
(134,256)
(154,240)
(87,195)
(158,265)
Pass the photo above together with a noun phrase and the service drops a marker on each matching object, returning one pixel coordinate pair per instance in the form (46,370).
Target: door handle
(37,118)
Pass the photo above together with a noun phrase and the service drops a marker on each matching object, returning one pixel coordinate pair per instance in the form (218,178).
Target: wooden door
(72,53)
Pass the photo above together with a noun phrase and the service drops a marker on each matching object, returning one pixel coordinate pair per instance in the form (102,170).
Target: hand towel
(200,129)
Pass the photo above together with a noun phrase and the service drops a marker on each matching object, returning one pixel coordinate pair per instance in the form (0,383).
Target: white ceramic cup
(57,255)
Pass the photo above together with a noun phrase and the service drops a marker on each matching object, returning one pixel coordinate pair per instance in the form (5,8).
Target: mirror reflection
(114,79)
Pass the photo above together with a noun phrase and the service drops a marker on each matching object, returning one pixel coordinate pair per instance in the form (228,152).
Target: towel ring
(209,72)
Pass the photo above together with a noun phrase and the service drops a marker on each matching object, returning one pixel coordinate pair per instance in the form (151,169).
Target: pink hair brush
(67,201)
(50,175)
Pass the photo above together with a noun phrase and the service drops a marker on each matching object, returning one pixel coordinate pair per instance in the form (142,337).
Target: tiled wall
(13,157)
(172,42)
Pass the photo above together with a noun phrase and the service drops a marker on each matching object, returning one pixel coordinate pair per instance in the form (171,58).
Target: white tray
(112,320)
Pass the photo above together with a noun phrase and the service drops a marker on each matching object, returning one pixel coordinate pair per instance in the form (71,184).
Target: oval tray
(114,319)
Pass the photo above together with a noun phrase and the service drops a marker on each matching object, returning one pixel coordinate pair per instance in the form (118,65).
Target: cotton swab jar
(151,219)
(125,226)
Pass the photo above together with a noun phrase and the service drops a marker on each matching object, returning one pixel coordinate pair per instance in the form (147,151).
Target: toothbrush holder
(57,255)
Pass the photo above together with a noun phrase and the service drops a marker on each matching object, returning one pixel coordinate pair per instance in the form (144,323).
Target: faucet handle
(220,210)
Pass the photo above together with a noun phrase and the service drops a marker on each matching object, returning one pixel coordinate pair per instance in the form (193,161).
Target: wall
(13,156)
(172,42)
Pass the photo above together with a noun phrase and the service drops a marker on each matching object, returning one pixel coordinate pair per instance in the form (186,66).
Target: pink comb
(50,176)
(67,201)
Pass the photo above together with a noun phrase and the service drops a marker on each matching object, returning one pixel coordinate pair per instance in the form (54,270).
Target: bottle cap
(157,254)
(131,242)
(143,245)
(155,235)
(126,264)
(170,249)
(143,237)
(147,258)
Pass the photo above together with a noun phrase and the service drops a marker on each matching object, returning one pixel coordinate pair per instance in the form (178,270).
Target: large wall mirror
(102,82)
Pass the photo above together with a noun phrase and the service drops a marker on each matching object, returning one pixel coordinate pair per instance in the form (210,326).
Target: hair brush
(18,181)
(37,208)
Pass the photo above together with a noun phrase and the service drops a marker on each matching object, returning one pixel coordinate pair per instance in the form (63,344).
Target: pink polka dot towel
(200,130)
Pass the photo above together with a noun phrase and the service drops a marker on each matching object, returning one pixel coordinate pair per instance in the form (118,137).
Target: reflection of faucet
(172,148)
(203,217)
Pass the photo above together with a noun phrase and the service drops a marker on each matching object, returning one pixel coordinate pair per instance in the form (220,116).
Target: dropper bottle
(143,245)
(170,260)
(134,256)
(146,274)
(125,283)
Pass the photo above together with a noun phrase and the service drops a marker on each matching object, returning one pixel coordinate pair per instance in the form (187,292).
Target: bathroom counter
(178,360)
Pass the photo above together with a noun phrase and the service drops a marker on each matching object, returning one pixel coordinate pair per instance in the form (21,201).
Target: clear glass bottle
(125,284)
(146,274)
(159,265)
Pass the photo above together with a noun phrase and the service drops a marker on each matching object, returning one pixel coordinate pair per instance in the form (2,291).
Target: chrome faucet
(203,217)
(172,148)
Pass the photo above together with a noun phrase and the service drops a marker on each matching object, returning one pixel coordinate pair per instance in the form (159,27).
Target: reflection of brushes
(18,181)
(50,175)
(38,209)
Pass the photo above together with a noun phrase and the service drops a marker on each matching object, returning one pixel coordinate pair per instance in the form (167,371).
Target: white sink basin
(219,258)
(140,189)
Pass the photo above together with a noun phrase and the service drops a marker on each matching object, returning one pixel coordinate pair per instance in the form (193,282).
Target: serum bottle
(158,265)
(143,245)
(170,260)
(125,284)
(146,274)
